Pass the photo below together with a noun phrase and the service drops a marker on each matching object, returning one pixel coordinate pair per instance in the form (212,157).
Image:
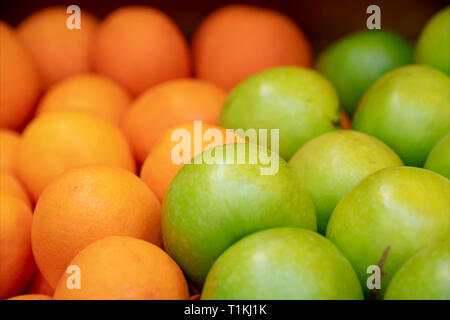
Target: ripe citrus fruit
(58,51)
(355,62)
(16,259)
(88,204)
(89,93)
(140,47)
(19,80)
(58,141)
(31,297)
(238,41)
(9,148)
(159,167)
(169,104)
(38,285)
(124,268)
(12,185)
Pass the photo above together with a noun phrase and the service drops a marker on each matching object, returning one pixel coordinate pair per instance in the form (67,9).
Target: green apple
(282,263)
(299,102)
(433,47)
(388,217)
(355,62)
(212,204)
(333,163)
(439,158)
(425,276)
(408,109)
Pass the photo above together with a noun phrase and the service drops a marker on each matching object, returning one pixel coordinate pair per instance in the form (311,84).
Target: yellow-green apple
(439,158)
(388,217)
(333,163)
(356,61)
(299,102)
(408,109)
(213,203)
(282,263)
(425,276)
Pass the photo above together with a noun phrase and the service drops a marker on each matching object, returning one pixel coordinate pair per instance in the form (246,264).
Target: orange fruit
(237,41)
(9,147)
(39,286)
(57,50)
(169,104)
(16,259)
(19,80)
(124,268)
(88,204)
(159,169)
(31,297)
(140,47)
(89,93)
(57,141)
(11,185)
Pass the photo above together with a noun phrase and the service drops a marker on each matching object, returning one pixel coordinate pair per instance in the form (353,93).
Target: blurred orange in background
(38,285)
(94,94)
(19,81)
(16,259)
(58,141)
(12,185)
(166,105)
(9,148)
(57,50)
(140,47)
(237,41)
(159,169)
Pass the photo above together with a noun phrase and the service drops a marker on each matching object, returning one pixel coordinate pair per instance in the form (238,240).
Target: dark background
(322,20)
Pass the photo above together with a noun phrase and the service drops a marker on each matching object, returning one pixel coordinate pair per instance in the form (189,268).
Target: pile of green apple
(343,202)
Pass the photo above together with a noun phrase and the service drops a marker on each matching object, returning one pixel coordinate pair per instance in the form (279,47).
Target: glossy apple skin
(282,263)
(439,158)
(408,109)
(394,212)
(300,102)
(425,276)
(356,61)
(433,47)
(330,165)
(209,207)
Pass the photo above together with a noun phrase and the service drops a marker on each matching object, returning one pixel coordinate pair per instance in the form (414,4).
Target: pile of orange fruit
(86,117)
